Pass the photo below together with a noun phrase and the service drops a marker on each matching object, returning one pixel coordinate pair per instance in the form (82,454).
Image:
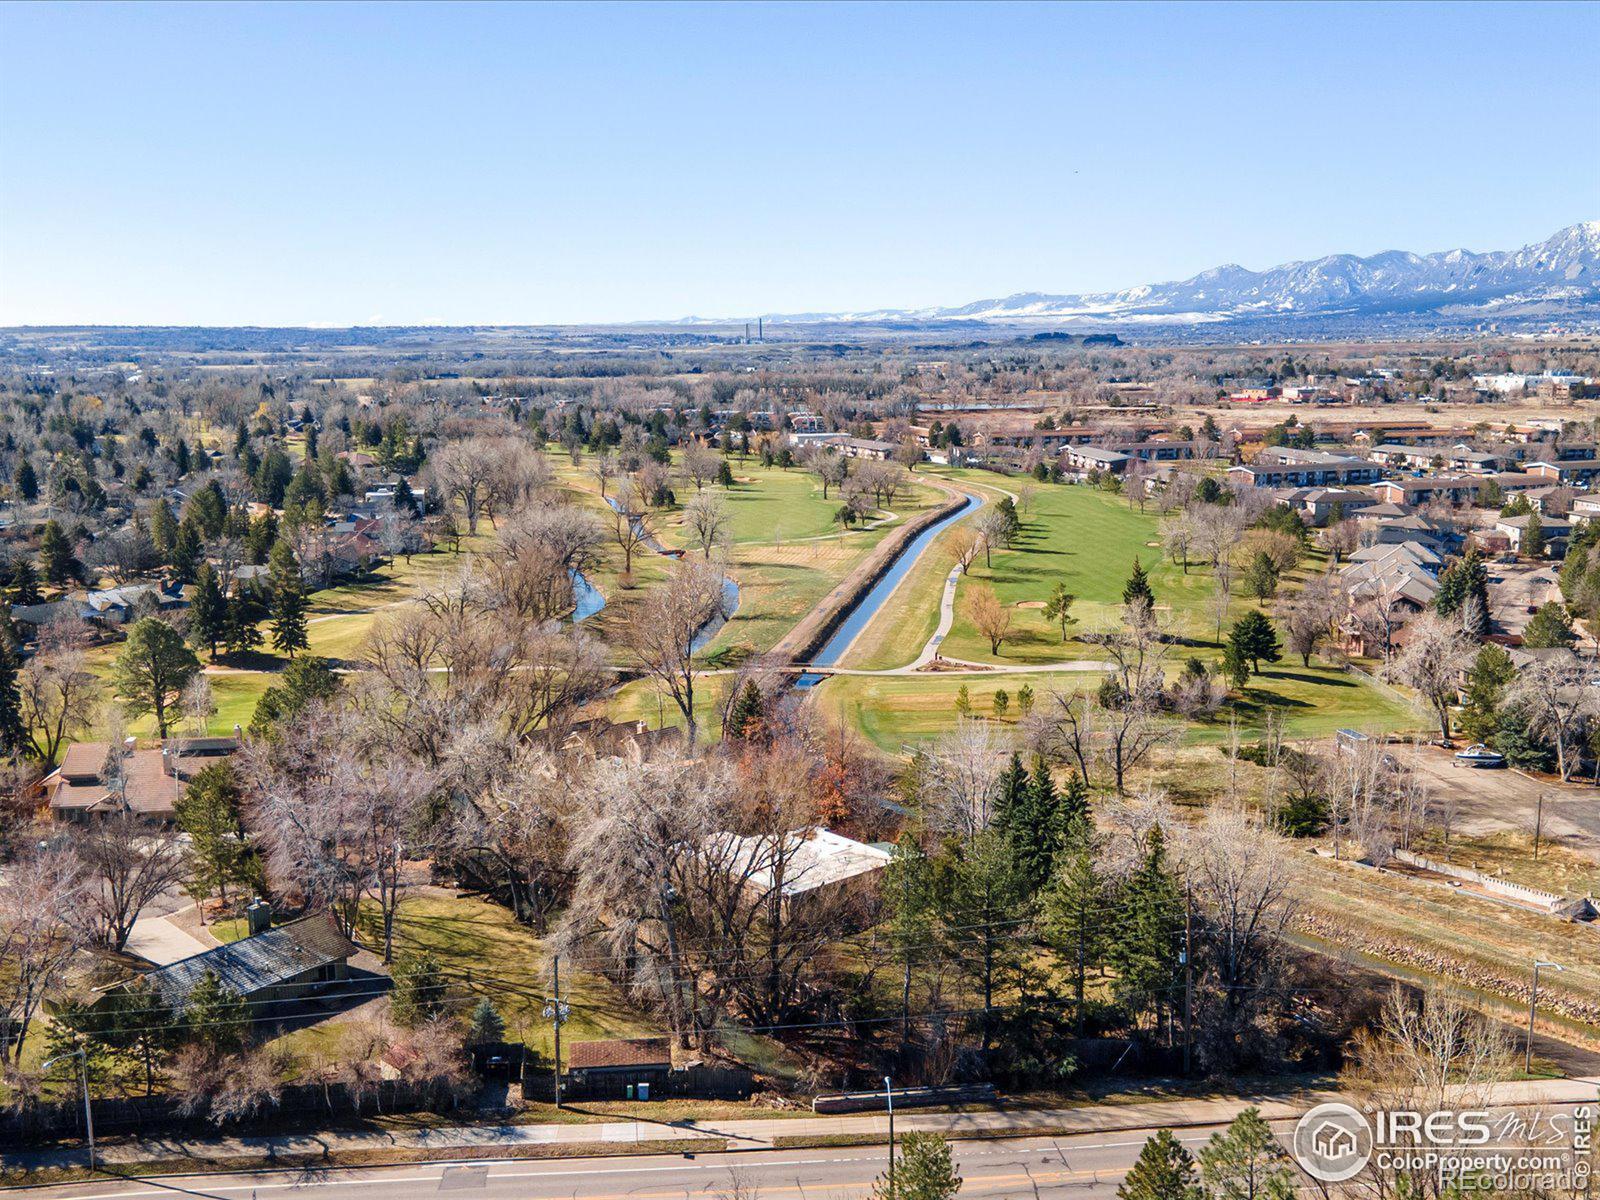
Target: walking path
(758,1134)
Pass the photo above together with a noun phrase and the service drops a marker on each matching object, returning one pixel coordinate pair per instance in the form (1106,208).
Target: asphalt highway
(1081,1166)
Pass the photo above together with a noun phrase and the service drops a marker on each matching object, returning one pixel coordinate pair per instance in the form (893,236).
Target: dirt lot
(1491,801)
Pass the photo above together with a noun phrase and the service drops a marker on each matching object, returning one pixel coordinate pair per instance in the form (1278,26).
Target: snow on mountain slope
(1562,271)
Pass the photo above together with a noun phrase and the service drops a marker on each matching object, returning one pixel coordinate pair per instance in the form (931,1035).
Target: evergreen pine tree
(23,581)
(242,630)
(55,555)
(1550,628)
(405,500)
(13,734)
(186,552)
(1137,589)
(216,1016)
(288,591)
(1144,948)
(163,528)
(1011,799)
(27,481)
(1533,537)
(208,610)
(1254,637)
(485,1026)
(1164,1171)
(1074,909)
(208,811)
(1491,674)
(744,718)
(1245,1162)
(924,1170)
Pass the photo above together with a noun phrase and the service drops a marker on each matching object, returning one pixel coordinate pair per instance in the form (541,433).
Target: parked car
(1479,755)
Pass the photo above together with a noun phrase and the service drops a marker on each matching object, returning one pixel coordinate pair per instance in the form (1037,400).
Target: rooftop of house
(152,779)
(813,858)
(254,963)
(1548,524)
(620,1052)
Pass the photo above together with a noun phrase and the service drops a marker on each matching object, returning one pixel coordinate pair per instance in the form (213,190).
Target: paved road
(1090,1165)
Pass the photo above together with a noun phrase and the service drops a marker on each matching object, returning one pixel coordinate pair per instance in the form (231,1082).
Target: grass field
(1088,540)
(893,711)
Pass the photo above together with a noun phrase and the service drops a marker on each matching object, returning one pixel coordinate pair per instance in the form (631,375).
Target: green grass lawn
(1088,540)
(482,944)
(894,711)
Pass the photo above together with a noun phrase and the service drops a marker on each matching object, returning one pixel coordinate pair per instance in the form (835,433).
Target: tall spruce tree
(1144,947)
(1137,589)
(208,610)
(1075,907)
(288,600)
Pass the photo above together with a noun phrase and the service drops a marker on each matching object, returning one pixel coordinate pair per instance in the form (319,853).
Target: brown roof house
(85,784)
(618,1067)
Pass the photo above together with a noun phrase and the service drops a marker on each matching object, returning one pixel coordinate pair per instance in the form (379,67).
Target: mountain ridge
(1560,275)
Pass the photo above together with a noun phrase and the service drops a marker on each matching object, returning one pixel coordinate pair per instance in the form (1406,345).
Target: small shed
(607,1068)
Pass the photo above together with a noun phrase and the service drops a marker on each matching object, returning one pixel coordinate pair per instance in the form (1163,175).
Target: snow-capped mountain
(1558,276)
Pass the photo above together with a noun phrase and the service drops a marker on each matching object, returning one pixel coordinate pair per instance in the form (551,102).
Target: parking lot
(1489,801)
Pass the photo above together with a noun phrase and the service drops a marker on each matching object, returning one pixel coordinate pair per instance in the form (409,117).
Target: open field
(338,622)
(895,710)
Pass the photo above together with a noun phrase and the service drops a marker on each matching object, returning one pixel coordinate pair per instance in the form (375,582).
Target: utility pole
(1533,1003)
(88,1110)
(888,1095)
(1188,976)
(557,1014)
(1538,826)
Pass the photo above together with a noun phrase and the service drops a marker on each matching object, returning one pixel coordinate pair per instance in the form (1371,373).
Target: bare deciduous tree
(60,698)
(1436,657)
(661,630)
(40,893)
(128,861)
(708,522)
(991,617)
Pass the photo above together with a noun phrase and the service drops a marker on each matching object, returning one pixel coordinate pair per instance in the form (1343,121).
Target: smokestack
(760,329)
(747,333)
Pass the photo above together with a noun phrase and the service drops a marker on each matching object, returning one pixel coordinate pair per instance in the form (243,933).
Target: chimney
(129,745)
(166,761)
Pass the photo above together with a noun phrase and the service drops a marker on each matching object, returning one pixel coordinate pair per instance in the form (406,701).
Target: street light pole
(1533,1003)
(88,1111)
(888,1095)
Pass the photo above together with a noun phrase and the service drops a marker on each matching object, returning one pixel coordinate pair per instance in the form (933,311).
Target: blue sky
(280,164)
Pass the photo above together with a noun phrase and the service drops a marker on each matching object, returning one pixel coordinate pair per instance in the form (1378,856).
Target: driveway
(1516,587)
(1493,801)
(159,940)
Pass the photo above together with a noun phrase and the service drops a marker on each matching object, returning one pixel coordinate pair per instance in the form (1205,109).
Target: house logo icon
(1333,1142)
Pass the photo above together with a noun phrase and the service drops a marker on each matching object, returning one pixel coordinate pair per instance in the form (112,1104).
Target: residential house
(1556,533)
(1576,473)
(1316,505)
(118,606)
(150,785)
(273,972)
(1287,466)
(1585,508)
(1096,458)
(1452,489)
